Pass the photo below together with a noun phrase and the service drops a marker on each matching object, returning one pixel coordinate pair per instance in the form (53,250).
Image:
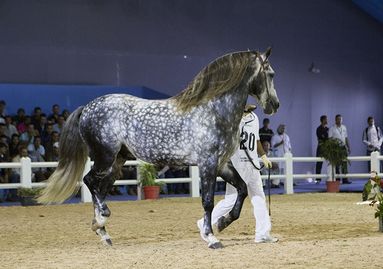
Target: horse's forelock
(218,77)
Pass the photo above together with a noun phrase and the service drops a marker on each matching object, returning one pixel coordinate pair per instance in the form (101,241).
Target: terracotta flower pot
(333,186)
(151,192)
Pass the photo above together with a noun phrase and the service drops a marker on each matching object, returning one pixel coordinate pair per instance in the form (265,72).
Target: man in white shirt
(280,142)
(339,131)
(372,138)
(245,160)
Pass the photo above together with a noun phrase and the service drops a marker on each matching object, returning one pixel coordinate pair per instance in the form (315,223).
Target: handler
(250,146)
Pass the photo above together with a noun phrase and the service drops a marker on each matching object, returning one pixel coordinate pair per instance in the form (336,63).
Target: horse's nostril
(277,105)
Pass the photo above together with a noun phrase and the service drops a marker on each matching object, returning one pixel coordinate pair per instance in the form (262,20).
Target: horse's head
(261,85)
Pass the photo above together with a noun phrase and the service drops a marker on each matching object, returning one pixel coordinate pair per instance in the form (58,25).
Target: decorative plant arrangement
(373,195)
(147,175)
(335,153)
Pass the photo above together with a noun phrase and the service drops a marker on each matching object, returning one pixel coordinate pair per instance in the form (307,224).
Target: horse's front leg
(231,176)
(208,179)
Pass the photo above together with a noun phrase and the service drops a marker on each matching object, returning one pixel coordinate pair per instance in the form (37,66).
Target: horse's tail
(73,154)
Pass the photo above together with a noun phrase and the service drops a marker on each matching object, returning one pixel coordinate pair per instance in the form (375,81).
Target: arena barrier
(25,166)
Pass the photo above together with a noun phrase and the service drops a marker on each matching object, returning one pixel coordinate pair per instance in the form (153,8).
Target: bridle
(262,70)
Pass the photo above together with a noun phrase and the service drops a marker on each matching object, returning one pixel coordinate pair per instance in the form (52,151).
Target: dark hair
(338,115)
(36,108)
(3,145)
(20,110)
(14,135)
(370,118)
(323,117)
(266,120)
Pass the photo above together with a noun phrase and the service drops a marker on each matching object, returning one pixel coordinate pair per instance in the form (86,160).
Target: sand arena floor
(316,231)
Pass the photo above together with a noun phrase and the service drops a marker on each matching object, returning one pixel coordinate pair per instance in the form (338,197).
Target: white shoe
(201,230)
(267,239)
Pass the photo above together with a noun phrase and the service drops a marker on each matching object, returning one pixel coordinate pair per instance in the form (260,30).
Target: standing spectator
(55,113)
(59,124)
(49,154)
(322,136)
(29,136)
(281,145)
(372,138)
(274,168)
(339,131)
(265,133)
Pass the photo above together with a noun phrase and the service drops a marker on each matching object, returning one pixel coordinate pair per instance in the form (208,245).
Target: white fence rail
(25,166)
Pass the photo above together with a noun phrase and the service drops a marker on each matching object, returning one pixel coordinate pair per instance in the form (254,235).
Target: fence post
(194,184)
(26,172)
(86,196)
(289,181)
(140,190)
(375,162)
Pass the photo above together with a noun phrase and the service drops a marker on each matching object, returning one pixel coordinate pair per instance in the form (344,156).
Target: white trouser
(252,178)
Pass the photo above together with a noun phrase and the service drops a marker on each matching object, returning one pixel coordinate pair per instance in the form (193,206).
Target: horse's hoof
(216,245)
(108,242)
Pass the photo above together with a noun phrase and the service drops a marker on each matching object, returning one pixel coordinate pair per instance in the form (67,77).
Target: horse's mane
(220,76)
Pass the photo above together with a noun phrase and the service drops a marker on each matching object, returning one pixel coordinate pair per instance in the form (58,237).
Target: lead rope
(269,187)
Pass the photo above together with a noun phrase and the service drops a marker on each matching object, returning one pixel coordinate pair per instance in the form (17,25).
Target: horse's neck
(229,107)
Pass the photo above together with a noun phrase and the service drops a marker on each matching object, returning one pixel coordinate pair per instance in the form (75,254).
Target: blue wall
(67,96)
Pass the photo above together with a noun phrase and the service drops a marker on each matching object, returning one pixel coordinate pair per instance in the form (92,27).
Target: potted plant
(28,196)
(335,153)
(147,175)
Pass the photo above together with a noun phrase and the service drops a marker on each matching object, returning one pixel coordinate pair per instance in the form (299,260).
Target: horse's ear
(267,53)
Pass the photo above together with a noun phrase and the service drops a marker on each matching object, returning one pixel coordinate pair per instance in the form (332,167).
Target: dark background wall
(162,44)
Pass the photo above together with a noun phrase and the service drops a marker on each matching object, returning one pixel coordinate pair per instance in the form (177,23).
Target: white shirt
(283,148)
(249,135)
(373,139)
(338,132)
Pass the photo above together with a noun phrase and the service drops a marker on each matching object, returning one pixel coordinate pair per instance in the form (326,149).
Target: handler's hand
(266,161)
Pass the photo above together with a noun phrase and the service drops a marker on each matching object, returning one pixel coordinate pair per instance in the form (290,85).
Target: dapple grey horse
(199,126)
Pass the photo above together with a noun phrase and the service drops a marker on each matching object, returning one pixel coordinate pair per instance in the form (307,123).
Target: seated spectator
(15,172)
(37,152)
(11,129)
(2,108)
(3,133)
(14,145)
(41,125)
(22,121)
(29,136)
(65,114)
(55,113)
(59,125)
(4,139)
(4,173)
(35,119)
(46,135)
(274,169)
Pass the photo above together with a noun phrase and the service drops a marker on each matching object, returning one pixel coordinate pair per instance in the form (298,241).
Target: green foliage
(379,208)
(147,175)
(334,151)
(25,192)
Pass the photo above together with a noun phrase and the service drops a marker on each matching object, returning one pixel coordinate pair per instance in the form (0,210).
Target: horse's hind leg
(100,180)
(231,176)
